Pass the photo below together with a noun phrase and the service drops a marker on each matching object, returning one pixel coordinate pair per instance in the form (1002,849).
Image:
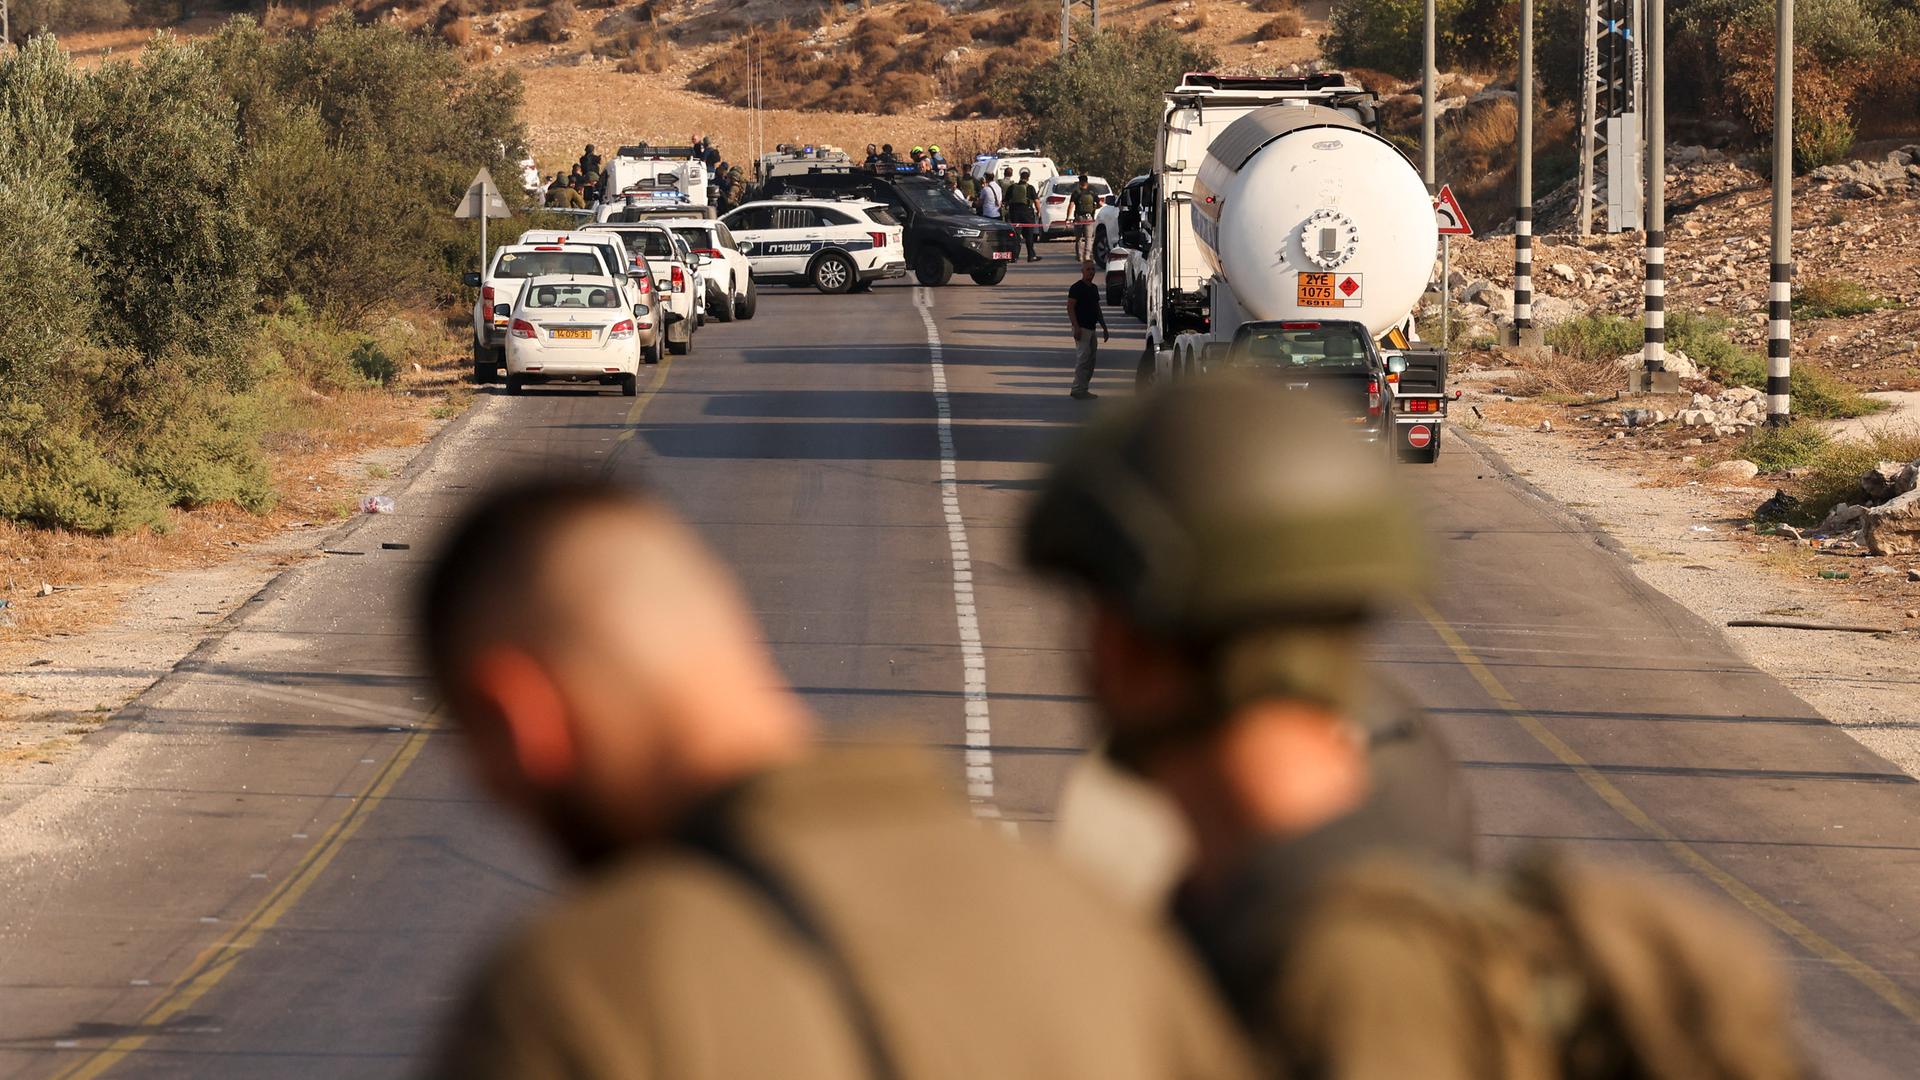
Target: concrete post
(1428,76)
(1780,289)
(1523,332)
(1654,349)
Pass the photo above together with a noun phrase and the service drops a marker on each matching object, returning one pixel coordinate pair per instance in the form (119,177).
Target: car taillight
(645,285)
(711,253)
(679,280)
(879,239)
(1299,326)
(1373,397)
(523,329)
(486,296)
(621,330)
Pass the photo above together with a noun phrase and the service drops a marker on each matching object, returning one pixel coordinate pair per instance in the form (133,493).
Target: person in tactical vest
(1239,548)
(1022,201)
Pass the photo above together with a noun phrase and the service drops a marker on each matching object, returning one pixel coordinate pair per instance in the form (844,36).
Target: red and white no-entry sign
(1419,435)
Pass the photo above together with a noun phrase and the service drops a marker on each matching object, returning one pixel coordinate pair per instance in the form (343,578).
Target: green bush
(1784,447)
(373,364)
(1832,298)
(1098,107)
(1833,475)
(1386,35)
(1593,338)
(160,222)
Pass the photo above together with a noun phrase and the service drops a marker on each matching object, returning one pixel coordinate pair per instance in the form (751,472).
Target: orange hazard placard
(1316,290)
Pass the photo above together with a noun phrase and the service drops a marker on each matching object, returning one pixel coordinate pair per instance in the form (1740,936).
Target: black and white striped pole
(1523,331)
(1653,354)
(1780,285)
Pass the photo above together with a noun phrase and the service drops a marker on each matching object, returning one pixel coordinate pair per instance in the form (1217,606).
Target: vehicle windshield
(880,215)
(930,199)
(597,295)
(652,243)
(1302,346)
(695,236)
(526,264)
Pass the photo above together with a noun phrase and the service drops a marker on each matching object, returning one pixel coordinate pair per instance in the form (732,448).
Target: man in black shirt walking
(1083,312)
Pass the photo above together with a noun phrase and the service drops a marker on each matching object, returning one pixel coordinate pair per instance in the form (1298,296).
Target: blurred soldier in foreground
(751,906)
(1237,546)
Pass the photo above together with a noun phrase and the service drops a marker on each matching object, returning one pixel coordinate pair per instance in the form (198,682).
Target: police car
(835,245)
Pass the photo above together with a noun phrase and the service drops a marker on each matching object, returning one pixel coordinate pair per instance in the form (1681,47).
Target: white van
(1040,168)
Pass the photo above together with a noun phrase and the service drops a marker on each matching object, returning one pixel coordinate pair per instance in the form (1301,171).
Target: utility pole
(1428,76)
(1653,352)
(1066,19)
(1589,105)
(1523,331)
(1780,291)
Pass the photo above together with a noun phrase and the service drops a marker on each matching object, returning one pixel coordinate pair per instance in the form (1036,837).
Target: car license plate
(574,335)
(1003,255)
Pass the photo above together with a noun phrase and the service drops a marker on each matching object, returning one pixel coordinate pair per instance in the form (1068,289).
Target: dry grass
(1544,372)
(1287,24)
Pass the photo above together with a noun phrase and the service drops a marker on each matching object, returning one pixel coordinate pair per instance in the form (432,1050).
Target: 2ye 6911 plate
(1328,290)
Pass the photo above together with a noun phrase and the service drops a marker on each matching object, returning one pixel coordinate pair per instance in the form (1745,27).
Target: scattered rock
(1890,480)
(1562,271)
(1546,425)
(44,590)
(1894,527)
(1737,469)
(1845,517)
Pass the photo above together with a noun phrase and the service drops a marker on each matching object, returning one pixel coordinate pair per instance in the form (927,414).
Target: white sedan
(575,328)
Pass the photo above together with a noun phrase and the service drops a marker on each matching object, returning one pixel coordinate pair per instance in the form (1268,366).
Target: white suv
(729,273)
(835,245)
(674,273)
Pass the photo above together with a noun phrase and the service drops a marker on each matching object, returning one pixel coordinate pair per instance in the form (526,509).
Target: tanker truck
(1289,235)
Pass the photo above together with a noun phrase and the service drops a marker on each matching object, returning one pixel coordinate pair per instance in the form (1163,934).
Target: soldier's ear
(537,740)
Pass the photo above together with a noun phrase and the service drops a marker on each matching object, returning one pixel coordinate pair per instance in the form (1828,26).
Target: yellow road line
(653,387)
(218,959)
(1766,910)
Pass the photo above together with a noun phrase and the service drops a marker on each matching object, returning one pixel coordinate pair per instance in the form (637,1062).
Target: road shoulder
(1701,553)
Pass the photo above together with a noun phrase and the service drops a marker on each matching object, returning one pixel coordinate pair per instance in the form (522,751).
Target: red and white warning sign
(1448,215)
(1419,435)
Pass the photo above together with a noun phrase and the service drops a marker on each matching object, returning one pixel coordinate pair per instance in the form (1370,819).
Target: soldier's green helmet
(1224,505)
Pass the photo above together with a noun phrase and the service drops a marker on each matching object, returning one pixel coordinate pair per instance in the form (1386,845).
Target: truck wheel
(743,308)
(486,366)
(989,275)
(1116,295)
(723,311)
(1143,373)
(932,268)
(832,273)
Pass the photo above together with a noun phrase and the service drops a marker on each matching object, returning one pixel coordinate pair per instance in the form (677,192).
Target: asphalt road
(273,865)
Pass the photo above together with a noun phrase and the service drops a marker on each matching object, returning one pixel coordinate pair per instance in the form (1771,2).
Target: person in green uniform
(1022,201)
(750,902)
(1084,203)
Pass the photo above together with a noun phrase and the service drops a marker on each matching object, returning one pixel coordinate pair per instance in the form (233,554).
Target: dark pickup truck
(942,233)
(1396,399)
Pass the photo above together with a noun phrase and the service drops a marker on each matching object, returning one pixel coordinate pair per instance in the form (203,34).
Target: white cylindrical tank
(1307,214)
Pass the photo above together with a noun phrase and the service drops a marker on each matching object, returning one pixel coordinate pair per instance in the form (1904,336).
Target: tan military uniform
(968,957)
